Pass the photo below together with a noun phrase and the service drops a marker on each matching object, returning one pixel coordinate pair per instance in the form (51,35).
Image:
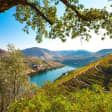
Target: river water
(50,75)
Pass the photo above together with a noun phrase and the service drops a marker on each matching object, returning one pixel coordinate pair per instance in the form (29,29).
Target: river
(50,75)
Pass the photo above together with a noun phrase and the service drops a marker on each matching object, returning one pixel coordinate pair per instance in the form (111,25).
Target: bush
(85,100)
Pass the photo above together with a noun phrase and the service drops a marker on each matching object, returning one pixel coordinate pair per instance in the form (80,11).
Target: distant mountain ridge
(41,53)
(104,51)
(48,54)
(69,57)
(73,53)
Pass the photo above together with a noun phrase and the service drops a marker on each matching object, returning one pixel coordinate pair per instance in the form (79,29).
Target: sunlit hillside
(99,72)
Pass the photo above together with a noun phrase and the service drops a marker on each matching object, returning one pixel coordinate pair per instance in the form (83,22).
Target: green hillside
(99,72)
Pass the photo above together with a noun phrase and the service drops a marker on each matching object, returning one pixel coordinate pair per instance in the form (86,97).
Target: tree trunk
(2,104)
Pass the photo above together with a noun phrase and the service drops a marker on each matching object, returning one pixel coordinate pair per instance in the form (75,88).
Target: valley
(90,65)
(73,85)
(86,75)
(41,61)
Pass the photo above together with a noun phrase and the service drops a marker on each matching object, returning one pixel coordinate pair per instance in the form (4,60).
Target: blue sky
(11,32)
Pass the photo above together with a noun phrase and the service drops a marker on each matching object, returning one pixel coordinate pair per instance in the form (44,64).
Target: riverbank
(64,74)
(35,72)
(36,66)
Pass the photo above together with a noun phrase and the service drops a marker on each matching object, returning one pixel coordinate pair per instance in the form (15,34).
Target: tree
(42,17)
(13,78)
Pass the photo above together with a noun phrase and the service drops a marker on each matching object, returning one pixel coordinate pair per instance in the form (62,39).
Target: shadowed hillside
(76,58)
(83,60)
(74,53)
(99,72)
(41,53)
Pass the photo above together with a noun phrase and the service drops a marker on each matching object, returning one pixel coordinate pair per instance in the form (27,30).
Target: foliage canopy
(42,17)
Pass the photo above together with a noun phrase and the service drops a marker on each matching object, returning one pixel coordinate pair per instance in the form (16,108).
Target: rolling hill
(99,72)
(74,53)
(41,53)
(84,60)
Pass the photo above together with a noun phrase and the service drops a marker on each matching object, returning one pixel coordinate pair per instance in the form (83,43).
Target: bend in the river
(50,75)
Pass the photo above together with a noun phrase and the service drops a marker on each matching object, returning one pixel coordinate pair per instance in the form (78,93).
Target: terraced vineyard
(99,72)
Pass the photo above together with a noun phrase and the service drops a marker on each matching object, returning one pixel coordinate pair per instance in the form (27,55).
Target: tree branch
(74,8)
(39,12)
(7,4)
